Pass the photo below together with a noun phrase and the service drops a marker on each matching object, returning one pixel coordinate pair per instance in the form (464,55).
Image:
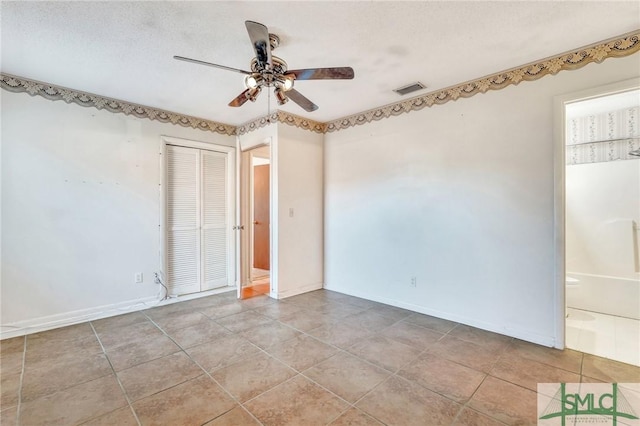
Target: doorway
(257,207)
(602,217)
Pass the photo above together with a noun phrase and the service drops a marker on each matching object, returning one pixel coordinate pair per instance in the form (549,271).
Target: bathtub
(607,295)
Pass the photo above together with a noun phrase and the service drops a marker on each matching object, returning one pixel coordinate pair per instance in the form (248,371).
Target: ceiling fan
(270,71)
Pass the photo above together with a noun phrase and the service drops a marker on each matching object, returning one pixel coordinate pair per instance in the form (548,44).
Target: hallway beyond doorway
(260,284)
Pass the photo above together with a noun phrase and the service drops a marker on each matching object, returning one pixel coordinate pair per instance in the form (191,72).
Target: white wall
(602,246)
(461,197)
(299,165)
(80,210)
(602,207)
(260,136)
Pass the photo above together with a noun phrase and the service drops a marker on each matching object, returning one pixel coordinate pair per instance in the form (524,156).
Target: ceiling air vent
(413,87)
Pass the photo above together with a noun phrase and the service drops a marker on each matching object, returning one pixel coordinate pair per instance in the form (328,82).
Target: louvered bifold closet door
(215,244)
(183,219)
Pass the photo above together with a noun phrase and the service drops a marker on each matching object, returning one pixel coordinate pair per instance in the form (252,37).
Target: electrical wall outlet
(138,277)
(414,281)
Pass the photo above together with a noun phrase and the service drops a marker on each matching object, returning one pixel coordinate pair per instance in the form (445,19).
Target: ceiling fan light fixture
(287,82)
(252,94)
(280,96)
(252,81)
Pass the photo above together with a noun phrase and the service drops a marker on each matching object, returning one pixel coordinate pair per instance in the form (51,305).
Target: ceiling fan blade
(338,73)
(240,99)
(209,64)
(259,35)
(298,98)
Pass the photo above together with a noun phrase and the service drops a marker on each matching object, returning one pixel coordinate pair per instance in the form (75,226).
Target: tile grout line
(369,392)
(499,357)
(23,367)
(237,401)
(489,373)
(395,373)
(68,386)
(462,405)
(466,403)
(298,372)
(301,374)
(220,384)
(204,370)
(339,349)
(115,375)
(353,405)
(391,373)
(426,350)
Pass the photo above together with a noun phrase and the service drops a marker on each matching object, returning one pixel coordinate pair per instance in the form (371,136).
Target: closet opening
(198,192)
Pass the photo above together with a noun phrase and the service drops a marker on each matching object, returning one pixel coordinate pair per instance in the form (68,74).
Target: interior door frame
(559,132)
(231,206)
(245,215)
(252,207)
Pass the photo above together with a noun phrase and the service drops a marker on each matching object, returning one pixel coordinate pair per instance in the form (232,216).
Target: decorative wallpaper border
(282,117)
(618,47)
(55,93)
(621,46)
(258,123)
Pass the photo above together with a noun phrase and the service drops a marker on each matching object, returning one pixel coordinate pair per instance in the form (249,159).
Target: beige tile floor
(314,359)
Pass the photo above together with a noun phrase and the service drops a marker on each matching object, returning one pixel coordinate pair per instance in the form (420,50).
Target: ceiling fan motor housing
(273,76)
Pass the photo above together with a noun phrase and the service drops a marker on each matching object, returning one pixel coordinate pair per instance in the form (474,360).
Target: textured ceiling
(124,50)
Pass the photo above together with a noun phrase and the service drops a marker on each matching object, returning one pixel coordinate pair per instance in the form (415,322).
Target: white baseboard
(516,332)
(35,325)
(49,322)
(298,290)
